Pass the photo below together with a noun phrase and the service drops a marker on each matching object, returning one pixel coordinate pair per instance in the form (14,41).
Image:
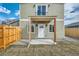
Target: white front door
(41,30)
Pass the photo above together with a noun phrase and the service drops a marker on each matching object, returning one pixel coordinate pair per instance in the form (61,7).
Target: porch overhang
(41,19)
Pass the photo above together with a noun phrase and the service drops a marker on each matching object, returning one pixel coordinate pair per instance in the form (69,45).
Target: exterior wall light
(34,6)
(36,25)
(48,5)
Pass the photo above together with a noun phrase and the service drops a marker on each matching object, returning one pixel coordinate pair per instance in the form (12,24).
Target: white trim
(24,19)
(41,5)
(27,27)
(41,16)
(59,19)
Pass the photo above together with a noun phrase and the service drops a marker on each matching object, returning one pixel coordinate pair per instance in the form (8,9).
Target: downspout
(54,29)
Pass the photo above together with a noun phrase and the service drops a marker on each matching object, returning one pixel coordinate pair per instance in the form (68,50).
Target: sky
(71,13)
(12,11)
(9,11)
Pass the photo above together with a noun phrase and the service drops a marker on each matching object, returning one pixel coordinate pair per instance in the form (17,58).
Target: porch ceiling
(41,19)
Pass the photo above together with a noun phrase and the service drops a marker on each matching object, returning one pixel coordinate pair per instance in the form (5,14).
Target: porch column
(29,32)
(54,29)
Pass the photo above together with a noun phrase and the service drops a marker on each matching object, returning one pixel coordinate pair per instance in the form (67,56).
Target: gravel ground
(62,48)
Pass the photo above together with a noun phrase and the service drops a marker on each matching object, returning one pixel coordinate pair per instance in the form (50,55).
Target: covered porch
(41,20)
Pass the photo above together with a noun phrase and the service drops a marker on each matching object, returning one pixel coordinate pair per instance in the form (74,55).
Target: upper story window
(41,10)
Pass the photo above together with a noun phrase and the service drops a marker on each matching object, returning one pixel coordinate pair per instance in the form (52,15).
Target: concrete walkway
(65,47)
(42,41)
(71,39)
(21,42)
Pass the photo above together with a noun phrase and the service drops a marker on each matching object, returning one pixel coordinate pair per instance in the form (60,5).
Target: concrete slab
(42,41)
(34,41)
(21,42)
(71,39)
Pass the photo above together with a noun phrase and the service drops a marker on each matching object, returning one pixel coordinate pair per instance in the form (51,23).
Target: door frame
(43,29)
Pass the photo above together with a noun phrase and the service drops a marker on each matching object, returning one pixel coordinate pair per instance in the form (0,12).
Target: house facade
(42,20)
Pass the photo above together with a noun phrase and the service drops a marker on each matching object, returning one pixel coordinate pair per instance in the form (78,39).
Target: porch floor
(41,41)
(34,41)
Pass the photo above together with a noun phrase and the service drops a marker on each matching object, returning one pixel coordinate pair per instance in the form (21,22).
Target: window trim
(41,5)
(27,29)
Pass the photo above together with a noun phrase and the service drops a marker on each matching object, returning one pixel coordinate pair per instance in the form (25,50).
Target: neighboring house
(73,25)
(37,20)
(12,22)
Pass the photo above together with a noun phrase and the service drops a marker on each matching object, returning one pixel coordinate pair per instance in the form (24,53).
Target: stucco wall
(55,9)
(59,30)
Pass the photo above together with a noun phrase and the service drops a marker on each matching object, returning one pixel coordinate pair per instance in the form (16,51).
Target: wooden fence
(9,35)
(72,32)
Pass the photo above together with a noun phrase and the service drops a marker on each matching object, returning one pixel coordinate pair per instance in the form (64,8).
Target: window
(32,28)
(51,28)
(41,10)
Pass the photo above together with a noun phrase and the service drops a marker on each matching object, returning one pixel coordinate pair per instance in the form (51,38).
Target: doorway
(41,30)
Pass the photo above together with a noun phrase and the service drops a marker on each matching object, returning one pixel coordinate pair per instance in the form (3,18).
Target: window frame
(36,10)
(49,28)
